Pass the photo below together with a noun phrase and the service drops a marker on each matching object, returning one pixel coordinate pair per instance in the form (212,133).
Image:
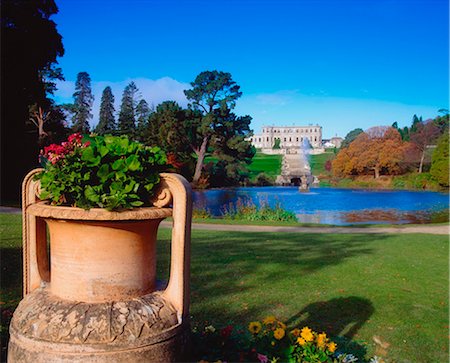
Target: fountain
(296,169)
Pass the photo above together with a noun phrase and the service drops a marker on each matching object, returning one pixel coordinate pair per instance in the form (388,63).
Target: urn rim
(45,210)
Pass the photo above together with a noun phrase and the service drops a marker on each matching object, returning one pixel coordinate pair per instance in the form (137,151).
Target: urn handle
(178,288)
(35,258)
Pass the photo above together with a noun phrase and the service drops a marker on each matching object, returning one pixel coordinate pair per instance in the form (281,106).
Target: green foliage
(82,106)
(415,181)
(350,137)
(213,96)
(170,127)
(247,210)
(142,113)
(30,47)
(112,172)
(440,161)
(262,179)
(276,144)
(127,114)
(201,213)
(107,122)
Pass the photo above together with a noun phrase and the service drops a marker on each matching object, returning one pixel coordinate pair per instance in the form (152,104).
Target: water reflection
(332,205)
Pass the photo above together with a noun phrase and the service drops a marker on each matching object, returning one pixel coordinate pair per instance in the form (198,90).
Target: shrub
(270,340)
(440,161)
(108,172)
(248,211)
(262,179)
(201,213)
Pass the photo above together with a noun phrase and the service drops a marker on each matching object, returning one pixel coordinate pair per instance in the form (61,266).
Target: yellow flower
(307,334)
(321,340)
(272,343)
(301,341)
(269,320)
(279,333)
(295,332)
(332,347)
(254,327)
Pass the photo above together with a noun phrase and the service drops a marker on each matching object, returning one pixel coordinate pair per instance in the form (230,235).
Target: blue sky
(341,64)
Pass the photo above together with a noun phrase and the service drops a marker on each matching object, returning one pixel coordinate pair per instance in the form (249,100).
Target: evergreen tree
(30,46)
(212,93)
(350,137)
(142,114)
(127,119)
(83,100)
(107,122)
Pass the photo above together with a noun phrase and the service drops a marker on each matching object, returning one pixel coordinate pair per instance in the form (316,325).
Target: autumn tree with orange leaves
(379,150)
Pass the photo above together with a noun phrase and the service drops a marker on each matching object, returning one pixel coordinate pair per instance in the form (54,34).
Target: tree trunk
(421,161)
(377,172)
(200,158)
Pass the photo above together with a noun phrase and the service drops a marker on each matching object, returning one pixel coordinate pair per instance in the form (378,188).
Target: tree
(169,127)
(231,148)
(276,143)
(142,113)
(107,122)
(379,149)
(127,119)
(30,46)
(424,135)
(82,106)
(404,132)
(442,121)
(212,92)
(352,135)
(440,161)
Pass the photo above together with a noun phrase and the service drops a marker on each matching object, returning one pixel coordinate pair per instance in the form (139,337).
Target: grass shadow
(342,316)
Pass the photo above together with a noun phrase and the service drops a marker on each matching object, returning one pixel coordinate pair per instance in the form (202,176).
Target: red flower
(226,332)
(172,160)
(77,137)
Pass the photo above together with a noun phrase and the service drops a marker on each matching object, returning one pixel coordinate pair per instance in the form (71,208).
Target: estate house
(290,137)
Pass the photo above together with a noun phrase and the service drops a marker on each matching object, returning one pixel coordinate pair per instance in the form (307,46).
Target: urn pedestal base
(47,329)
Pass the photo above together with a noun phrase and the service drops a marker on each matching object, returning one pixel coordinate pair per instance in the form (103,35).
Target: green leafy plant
(109,172)
(246,210)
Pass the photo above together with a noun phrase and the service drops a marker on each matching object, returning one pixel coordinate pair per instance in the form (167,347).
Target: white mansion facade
(291,137)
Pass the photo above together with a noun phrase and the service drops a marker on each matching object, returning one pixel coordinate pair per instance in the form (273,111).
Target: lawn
(263,163)
(392,289)
(317,162)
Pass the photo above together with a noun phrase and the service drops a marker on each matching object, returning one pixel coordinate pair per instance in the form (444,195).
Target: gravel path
(429,229)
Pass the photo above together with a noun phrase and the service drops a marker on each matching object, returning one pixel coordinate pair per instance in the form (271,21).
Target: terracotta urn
(93,297)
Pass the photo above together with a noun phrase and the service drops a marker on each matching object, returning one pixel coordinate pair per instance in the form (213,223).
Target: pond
(332,205)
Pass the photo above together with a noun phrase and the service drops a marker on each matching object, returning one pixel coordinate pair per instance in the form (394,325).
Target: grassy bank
(390,289)
(267,164)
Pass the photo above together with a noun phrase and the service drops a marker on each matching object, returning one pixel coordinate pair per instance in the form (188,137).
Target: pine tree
(83,100)
(107,122)
(142,114)
(127,120)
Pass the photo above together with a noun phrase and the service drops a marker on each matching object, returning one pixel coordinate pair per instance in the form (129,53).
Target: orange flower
(279,333)
(301,341)
(295,332)
(307,334)
(332,347)
(321,340)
